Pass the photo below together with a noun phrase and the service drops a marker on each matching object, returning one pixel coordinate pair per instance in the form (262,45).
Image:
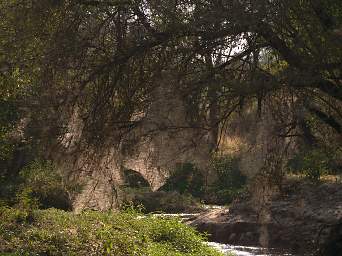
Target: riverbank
(301,219)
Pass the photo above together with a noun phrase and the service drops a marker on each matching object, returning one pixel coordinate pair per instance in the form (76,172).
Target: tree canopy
(105,58)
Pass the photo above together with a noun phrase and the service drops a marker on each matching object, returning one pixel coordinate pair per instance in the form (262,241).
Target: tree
(99,60)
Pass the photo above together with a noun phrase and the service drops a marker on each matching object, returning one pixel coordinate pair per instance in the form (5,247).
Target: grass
(56,232)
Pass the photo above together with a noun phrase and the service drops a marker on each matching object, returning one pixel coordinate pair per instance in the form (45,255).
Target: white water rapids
(245,250)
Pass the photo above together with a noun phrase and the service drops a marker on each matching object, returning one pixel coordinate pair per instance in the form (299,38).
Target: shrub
(186,179)
(55,232)
(42,186)
(162,201)
(229,183)
(8,116)
(311,163)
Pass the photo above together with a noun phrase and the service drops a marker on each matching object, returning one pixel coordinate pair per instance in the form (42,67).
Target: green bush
(8,116)
(230,182)
(55,232)
(8,190)
(311,163)
(42,186)
(164,201)
(37,185)
(186,179)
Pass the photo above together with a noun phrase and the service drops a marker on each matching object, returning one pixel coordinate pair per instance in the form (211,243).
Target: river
(232,249)
(247,251)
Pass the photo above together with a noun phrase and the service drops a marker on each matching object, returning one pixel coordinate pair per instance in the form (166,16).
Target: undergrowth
(56,232)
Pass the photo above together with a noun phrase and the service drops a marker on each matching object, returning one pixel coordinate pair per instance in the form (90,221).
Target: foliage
(229,183)
(55,232)
(112,52)
(38,185)
(186,178)
(27,200)
(8,117)
(311,163)
(104,59)
(43,184)
(163,201)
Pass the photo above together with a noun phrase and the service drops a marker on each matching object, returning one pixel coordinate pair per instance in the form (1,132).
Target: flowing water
(247,251)
(231,249)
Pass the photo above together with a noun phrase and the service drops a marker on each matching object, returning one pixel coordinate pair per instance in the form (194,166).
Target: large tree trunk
(263,163)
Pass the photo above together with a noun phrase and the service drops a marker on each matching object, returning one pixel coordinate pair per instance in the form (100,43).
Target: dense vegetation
(38,185)
(230,182)
(55,232)
(27,229)
(102,56)
(186,190)
(78,78)
(276,60)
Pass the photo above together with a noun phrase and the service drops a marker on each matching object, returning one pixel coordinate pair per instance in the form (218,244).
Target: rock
(333,244)
(296,220)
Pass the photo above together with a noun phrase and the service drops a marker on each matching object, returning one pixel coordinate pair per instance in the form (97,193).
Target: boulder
(301,219)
